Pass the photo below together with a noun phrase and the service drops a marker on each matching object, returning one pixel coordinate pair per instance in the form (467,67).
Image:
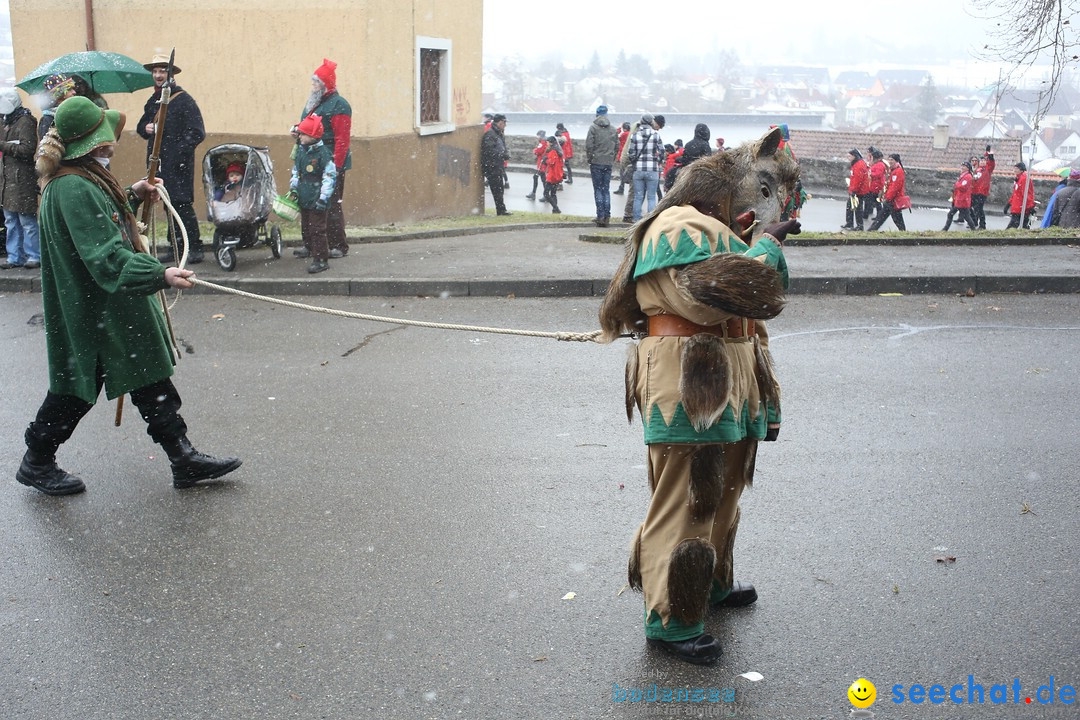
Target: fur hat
(327,75)
(82,126)
(312,126)
(9,101)
(161,61)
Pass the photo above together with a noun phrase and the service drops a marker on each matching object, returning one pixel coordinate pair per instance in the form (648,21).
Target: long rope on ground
(563,336)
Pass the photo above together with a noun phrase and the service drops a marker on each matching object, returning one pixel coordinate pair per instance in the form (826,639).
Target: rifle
(153,164)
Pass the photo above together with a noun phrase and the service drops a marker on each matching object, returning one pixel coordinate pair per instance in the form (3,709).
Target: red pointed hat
(326,73)
(311,125)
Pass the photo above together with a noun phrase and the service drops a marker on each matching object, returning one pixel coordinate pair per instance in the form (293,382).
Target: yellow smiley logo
(862,693)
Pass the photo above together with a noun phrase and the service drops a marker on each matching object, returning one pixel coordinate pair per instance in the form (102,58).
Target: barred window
(433,89)
(430,61)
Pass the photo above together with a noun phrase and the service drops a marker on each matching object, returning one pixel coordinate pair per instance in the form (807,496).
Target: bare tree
(1030,31)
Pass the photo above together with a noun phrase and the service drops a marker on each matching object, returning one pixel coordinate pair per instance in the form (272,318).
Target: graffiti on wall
(462,107)
(454,163)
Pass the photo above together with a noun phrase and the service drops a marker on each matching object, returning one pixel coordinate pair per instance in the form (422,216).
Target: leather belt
(676,326)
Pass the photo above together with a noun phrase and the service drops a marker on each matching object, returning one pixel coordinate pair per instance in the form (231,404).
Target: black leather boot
(741,595)
(44,474)
(189,466)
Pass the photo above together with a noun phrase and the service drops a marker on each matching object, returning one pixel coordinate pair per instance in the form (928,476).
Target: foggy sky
(809,32)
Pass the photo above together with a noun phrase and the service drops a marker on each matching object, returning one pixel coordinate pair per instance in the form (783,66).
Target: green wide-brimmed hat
(83,126)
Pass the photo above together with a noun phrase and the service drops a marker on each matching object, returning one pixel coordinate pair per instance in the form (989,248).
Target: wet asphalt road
(415,504)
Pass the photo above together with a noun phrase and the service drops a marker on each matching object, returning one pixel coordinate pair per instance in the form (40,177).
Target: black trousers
(1014,220)
(978,210)
(867,205)
(853,217)
(495,184)
(888,211)
(191,225)
(550,194)
(965,217)
(58,416)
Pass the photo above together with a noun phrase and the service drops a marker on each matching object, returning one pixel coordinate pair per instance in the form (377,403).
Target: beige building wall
(249,66)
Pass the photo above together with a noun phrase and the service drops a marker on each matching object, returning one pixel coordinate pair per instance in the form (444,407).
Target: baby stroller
(239,212)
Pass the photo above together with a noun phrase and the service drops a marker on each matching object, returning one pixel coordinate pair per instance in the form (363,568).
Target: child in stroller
(239,184)
(230,191)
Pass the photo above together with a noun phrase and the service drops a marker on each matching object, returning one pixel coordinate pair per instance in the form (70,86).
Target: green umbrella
(105,72)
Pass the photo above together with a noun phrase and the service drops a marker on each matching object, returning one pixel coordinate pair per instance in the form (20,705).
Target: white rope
(562,336)
(164,194)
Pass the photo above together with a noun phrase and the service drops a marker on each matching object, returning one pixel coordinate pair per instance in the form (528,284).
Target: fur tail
(736,284)
(690,579)
(705,382)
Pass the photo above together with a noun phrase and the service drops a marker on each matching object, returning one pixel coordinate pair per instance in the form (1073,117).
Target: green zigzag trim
(727,429)
(666,256)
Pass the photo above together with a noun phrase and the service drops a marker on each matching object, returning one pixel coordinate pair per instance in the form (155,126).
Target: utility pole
(1031,160)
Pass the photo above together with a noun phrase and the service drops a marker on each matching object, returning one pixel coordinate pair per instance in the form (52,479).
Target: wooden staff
(147,210)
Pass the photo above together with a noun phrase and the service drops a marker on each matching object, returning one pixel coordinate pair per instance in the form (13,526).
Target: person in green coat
(104,324)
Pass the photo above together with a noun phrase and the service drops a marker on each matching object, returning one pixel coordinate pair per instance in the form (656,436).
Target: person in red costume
(961,198)
(982,170)
(1016,202)
(879,171)
(896,200)
(858,185)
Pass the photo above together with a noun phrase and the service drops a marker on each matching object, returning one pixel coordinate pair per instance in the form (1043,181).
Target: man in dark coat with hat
(182,133)
(104,325)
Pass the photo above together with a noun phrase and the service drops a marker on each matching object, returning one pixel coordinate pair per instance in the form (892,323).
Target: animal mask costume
(698,276)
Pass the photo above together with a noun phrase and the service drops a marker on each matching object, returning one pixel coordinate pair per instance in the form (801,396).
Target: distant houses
(892,103)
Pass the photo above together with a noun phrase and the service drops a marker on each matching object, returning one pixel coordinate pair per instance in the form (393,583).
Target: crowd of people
(633,153)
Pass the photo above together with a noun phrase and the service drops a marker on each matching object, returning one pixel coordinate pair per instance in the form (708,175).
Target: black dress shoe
(741,595)
(701,650)
(48,478)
